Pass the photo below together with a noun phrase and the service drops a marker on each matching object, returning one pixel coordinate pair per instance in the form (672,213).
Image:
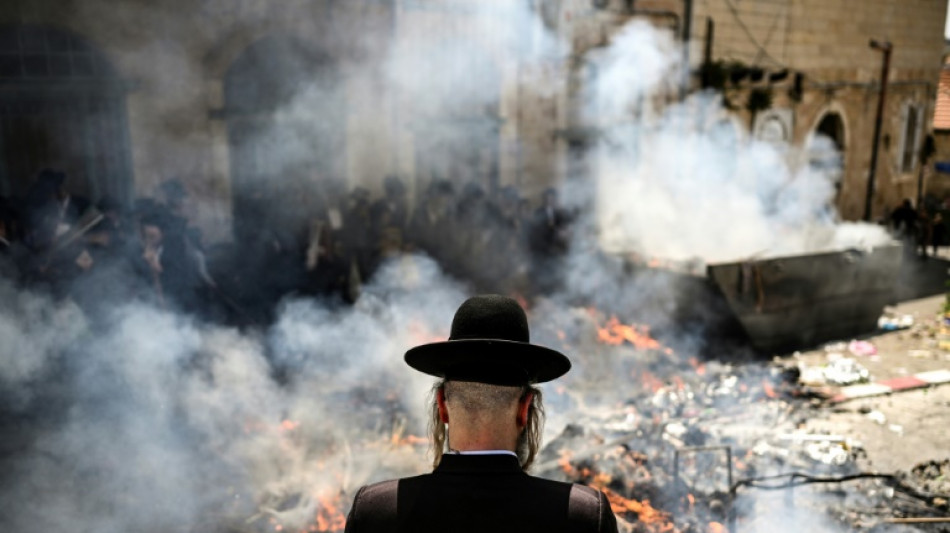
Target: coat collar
(479,464)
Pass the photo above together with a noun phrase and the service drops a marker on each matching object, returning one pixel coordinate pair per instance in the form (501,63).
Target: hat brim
(493,361)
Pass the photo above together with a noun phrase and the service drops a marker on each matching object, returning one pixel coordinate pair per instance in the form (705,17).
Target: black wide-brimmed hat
(489,343)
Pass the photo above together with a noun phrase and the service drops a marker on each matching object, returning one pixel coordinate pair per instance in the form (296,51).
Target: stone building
(811,66)
(255,104)
(265,111)
(828,42)
(939,185)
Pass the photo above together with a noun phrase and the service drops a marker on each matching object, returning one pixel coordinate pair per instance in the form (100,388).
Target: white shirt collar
(485,452)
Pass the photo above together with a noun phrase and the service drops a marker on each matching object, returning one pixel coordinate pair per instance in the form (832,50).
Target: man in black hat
(489,414)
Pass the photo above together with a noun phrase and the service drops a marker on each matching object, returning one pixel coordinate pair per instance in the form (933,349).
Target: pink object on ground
(864,348)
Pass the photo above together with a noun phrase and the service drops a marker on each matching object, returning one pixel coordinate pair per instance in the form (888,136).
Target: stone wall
(828,41)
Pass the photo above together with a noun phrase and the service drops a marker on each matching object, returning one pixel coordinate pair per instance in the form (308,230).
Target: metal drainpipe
(687,31)
(886,47)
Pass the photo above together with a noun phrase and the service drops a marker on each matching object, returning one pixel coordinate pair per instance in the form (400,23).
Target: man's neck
(465,442)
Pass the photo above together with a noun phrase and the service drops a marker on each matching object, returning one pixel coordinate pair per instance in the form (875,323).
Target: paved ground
(901,429)
(920,278)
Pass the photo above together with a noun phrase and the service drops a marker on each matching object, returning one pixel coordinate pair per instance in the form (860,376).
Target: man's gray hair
(488,400)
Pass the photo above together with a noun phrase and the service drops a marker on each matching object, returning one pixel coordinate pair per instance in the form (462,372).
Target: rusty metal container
(786,303)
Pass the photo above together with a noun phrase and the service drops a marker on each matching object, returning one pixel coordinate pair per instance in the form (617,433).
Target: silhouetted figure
(331,276)
(109,239)
(12,252)
(355,235)
(432,226)
(939,235)
(181,280)
(394,203)
(549,241)
(904,220)
(147,259)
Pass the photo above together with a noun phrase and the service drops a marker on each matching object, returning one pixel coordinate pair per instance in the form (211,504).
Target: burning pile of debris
(677,445)
(692,440)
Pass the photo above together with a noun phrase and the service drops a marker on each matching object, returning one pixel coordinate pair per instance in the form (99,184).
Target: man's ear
(443,410)
(524,404)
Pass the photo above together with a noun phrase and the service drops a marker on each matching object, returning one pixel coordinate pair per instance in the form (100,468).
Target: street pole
(886,48)
(687,33)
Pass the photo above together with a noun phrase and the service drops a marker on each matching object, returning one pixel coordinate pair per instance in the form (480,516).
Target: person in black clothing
(488,402)
(939,234)
(551,226)
(394,203)
(904,220)
(432,227)
(11,251)
(549,241)
(181,277)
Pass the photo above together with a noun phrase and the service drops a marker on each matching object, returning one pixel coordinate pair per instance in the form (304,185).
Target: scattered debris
(862,348)
(878,417)
(932,477)
(836,347)
(845,371)
(890,321)
(887,386)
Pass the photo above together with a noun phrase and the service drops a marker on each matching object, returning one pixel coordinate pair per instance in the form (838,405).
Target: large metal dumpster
(785,303)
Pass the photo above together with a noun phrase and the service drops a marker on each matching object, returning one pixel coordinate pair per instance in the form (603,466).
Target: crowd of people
(105,252)
(920,229)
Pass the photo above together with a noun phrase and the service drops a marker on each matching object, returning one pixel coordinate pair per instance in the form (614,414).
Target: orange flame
(409,440)
(330,515)
(700,368)
(522,301)
(616,333)
(564,461)
(716,527)
(650,381)
(652,519)
(419,333)
(656,521)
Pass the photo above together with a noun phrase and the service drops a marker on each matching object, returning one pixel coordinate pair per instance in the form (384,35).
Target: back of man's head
(489,413)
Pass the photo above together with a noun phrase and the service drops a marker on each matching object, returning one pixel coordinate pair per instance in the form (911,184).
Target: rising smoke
(682,181)
(146,420)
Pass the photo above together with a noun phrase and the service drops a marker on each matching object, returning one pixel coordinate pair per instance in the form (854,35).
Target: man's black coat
(479,493)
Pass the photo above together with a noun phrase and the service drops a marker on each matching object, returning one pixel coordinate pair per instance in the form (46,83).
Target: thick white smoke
(161,423)
(682,181)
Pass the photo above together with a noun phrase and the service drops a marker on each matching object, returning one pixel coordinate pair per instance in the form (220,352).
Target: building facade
(252,104)
(833,81)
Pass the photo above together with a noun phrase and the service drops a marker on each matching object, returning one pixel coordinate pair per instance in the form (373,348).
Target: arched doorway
(826,149)
(61,105)
(285,111)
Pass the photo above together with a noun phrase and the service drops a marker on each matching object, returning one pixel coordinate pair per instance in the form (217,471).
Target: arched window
(826,148)
(61,105)
(285,111)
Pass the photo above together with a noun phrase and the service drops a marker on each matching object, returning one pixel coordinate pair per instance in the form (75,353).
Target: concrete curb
(887,386)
